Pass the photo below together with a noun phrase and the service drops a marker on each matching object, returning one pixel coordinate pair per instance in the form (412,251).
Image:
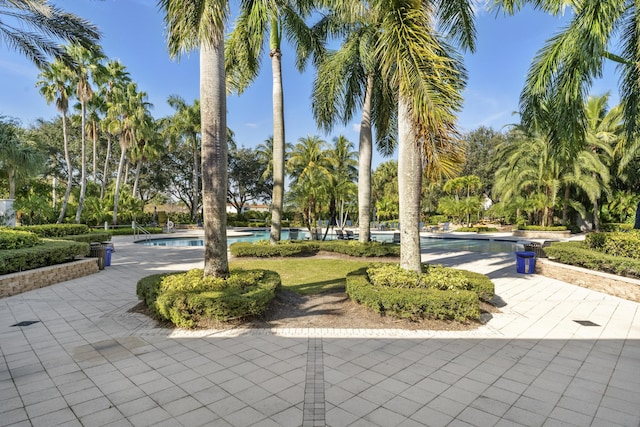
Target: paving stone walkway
(88,361)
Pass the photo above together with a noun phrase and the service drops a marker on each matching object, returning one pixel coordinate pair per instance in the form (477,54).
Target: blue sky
(133,32)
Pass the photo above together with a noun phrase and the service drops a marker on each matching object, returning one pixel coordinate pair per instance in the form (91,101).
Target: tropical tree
(309,167)
(149,145)
(87,66)
(246,182)
(427,75)
(36,27)
(54,83)
(348,79)
(18,159)
(244,49)
(342,166)
(184,126)
(566,67)
(200,24)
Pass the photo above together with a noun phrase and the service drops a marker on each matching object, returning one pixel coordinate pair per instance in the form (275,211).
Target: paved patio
(89,361)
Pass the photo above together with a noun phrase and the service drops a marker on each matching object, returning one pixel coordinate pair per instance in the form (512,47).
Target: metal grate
(586,323)
(26,323)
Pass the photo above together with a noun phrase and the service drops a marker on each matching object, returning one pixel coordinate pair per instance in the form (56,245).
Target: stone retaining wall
(15,283)
(618,286)
(547,235)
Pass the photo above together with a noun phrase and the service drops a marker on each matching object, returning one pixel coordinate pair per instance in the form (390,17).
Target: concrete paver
(90,361)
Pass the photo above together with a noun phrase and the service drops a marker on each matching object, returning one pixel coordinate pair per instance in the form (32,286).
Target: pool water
(426,243)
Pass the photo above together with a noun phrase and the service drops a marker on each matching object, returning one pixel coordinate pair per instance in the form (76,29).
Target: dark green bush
(188,299)
(478,229)
(89,237)
(309,247)
(412,303)
(56,230)
(578,254)
(617,243)
(128,231)
(49,252)
(541,228)
(611,226)
(15,239)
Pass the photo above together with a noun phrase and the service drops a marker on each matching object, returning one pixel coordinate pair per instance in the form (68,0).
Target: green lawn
(305,276)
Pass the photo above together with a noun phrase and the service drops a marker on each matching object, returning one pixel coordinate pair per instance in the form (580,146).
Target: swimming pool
(426,243)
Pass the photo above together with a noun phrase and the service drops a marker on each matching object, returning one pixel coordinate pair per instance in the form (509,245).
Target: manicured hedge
(90,237)
(128,231)
(412,303)
(187,299)
(624,244)
(11,238)
(579,254)
(56,230)
(439,292)
(308,247)
(541,228)
(478,229)
(48,252)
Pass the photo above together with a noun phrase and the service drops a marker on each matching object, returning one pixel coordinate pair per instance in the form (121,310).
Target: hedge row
(413,303)
(579,254)
(478,229)
(616,243)
(308,247)
(48,252)
(56,230)
(11,238)
(541,228)
(128,231)
(89,237)
(188,299)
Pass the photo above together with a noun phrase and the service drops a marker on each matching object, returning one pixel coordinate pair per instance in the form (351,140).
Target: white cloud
(356,127)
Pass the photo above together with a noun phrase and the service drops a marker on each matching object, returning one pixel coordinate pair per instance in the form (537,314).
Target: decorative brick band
(15,283)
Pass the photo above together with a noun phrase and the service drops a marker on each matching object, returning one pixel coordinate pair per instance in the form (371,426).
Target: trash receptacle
(107,256)
(535,247)
(525,262)
(98,250)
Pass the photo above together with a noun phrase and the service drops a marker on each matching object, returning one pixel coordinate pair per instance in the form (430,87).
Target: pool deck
(90,361)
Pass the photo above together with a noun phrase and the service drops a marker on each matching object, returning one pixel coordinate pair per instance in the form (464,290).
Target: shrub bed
(616,243)
(308,247)
(89,237)
(56,230)
(128,231)
(579,254)
(189,299)
(478,229)
(541,228)
(14,239)
(48,252)
(439,292)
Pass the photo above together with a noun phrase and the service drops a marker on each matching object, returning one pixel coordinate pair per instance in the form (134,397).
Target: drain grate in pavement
(586,323)
(313,412)
(26,323)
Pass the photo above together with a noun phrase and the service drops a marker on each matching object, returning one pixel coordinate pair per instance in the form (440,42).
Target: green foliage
(541,228)
(412,303)
(294,248)
(478,229)
(56,230)
(94,236)
(15,239)
(616,244)
(127,231)
(187,299)
(578,254)
(610,226)
(438,219)
(49,252)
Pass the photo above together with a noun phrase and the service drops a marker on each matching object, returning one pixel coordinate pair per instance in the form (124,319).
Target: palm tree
(54,82)
(184,125)
(427,75)
(87,66)
(244,47)
(348,79)
(200,24)
(309,168)
(35,28)
(148,147)
(567,66)
(17,158)
(342,166)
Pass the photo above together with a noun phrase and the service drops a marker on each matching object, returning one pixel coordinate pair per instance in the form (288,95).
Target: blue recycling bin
(525,262)
(107,257)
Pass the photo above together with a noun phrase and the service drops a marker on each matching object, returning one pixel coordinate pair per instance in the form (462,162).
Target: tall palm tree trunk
(116,196)
(409,185)
(364,165)
(596,217)
(278,147)
(94,132)
(196,173)
(83,161)
(213,115)
(67,159)
(105,176)
(137,178)
(565,204)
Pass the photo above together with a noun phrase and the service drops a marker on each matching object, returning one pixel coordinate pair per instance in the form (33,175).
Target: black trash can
(535,247)
(525,262)
(98,250)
